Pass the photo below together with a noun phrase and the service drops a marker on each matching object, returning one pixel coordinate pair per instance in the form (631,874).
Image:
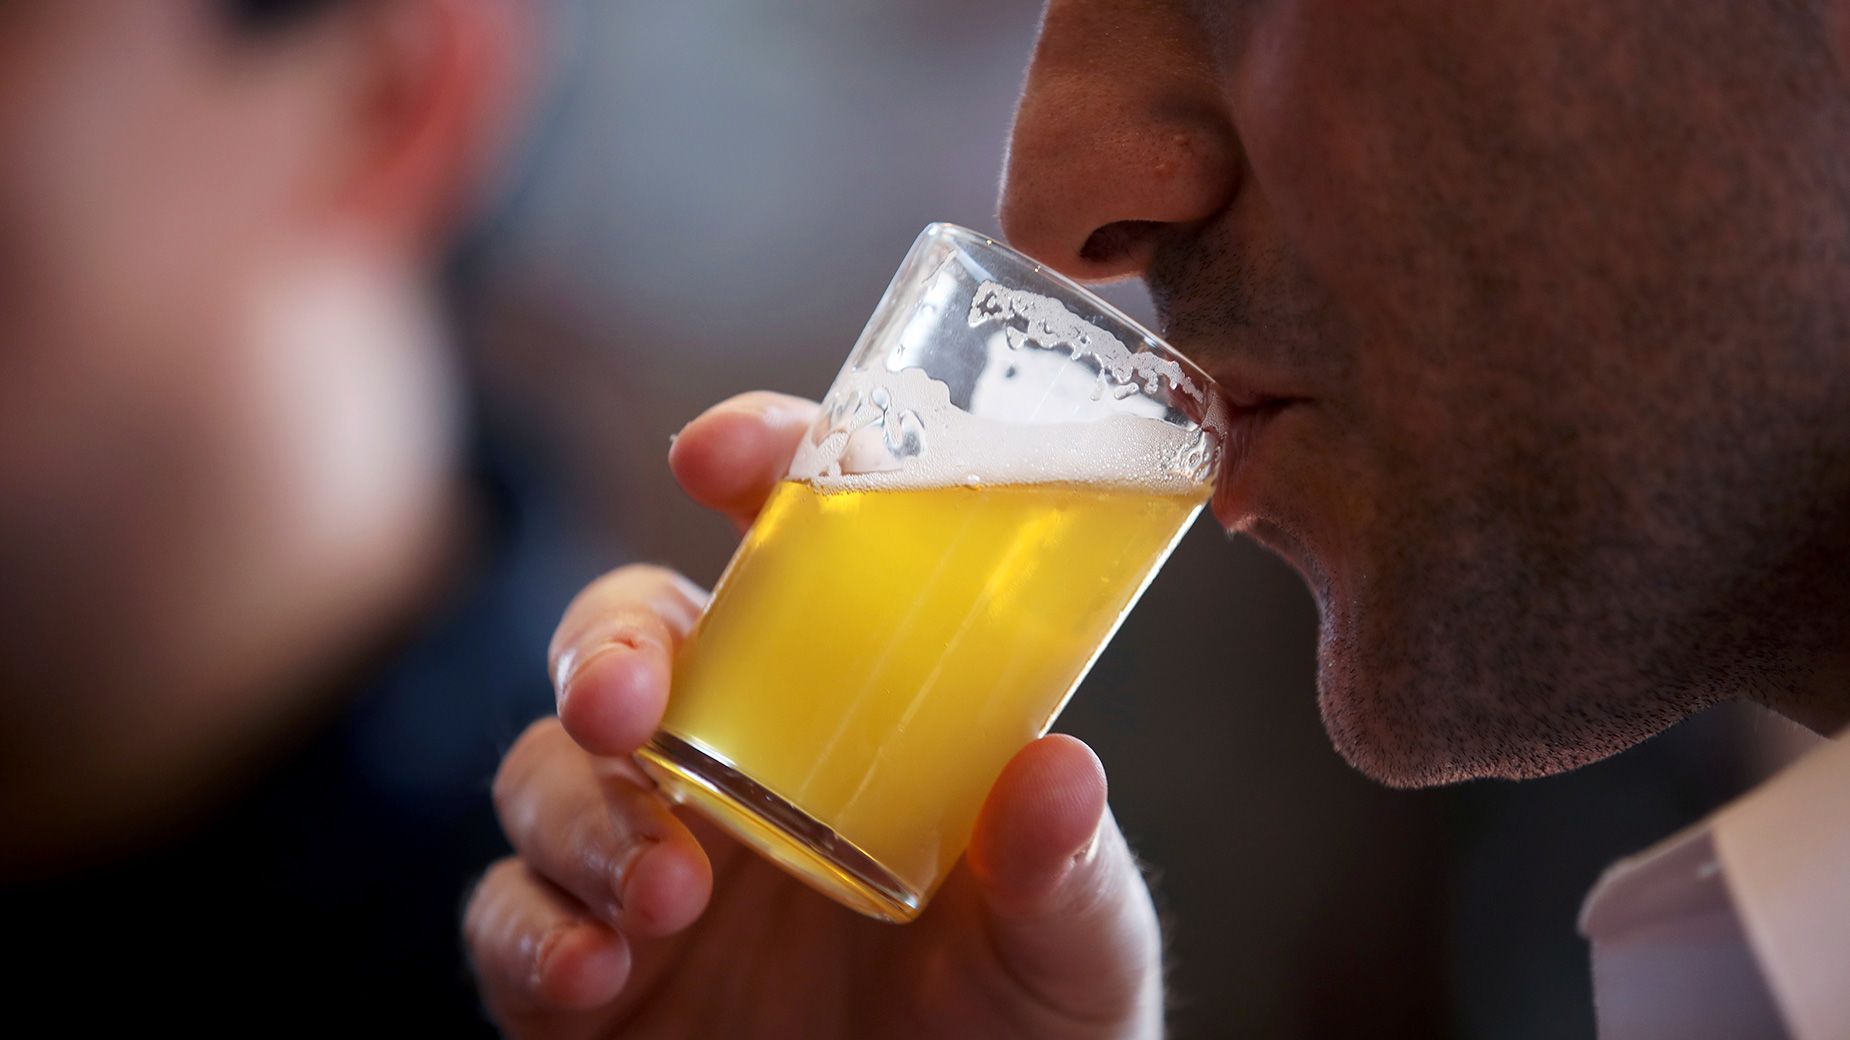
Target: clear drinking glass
(998,471)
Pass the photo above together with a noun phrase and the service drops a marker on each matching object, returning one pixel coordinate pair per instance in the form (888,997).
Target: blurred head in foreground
(226,418)
(1537,316)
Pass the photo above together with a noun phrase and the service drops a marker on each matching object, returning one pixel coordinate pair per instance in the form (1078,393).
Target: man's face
(1545,302)
(186,383)
(143,168)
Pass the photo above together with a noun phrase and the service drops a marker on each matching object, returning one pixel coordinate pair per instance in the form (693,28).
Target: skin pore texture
(1559,293)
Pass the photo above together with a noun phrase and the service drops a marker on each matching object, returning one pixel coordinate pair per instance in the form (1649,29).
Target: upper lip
(1246,390)
(1252,398)
(1241,359)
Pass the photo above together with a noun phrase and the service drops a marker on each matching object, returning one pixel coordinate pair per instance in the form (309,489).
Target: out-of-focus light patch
(714,194)
(354,421)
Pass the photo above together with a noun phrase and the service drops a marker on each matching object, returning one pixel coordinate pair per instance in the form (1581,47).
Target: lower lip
(1234,490)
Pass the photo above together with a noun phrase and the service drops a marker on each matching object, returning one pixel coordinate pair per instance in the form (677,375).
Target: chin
(1431,724)
(1426,679)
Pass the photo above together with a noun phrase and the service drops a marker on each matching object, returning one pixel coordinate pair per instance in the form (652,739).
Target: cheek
(104,327)
(131,183)
(123,237)
(113,396)
(1344,127)
(1301,132)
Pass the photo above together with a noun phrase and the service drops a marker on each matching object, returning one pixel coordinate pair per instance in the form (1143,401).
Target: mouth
(1253,414)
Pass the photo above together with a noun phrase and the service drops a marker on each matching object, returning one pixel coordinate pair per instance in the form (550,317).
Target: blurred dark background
(709,197)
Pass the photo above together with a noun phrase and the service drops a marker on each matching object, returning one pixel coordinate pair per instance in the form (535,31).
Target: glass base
(784,834)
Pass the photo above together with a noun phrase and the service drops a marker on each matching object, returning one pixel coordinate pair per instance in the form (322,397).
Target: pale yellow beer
(873,658)
(999,468)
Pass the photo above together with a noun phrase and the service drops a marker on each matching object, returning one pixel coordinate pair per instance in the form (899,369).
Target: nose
(1120,134)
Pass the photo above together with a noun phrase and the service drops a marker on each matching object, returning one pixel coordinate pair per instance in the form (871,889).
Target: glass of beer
(1000,468)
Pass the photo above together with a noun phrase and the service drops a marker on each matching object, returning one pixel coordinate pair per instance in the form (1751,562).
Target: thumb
(1070,916)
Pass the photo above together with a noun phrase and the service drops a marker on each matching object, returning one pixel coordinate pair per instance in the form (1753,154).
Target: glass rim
(971,237)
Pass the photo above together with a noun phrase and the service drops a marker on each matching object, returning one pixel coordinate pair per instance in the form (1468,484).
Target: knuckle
(625,582)
(633,590)
(645,590)
(644,572)
(768,403)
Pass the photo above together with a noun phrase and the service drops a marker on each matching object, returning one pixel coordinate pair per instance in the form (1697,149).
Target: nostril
(1113,243)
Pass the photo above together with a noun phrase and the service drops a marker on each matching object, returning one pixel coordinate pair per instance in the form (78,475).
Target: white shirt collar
(1739,926)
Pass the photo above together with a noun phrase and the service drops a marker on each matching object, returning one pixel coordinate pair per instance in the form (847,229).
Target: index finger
(734,453)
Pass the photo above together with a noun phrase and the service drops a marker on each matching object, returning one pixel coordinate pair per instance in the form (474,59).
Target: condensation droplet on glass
(880,398)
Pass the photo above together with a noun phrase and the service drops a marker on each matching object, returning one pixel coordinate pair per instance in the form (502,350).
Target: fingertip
(667,889)
(614,701)
(1043,812)
(1051,794)
(1067,910)
(717,458)
(580,966)
(730,455)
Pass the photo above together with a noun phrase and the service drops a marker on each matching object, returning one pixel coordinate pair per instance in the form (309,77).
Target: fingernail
(624,869)
(574,660)
(543,950)
(563,668)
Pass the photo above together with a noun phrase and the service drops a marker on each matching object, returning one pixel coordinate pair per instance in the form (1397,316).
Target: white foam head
(899,430)
(1097,416)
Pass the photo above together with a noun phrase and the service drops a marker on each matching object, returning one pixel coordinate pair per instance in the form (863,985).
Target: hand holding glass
(998,471)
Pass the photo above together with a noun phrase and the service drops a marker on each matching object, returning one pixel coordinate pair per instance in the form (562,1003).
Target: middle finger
(588,826)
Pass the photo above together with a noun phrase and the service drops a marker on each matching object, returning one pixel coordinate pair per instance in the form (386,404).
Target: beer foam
(899,431)
(1044,322)
(892,426)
